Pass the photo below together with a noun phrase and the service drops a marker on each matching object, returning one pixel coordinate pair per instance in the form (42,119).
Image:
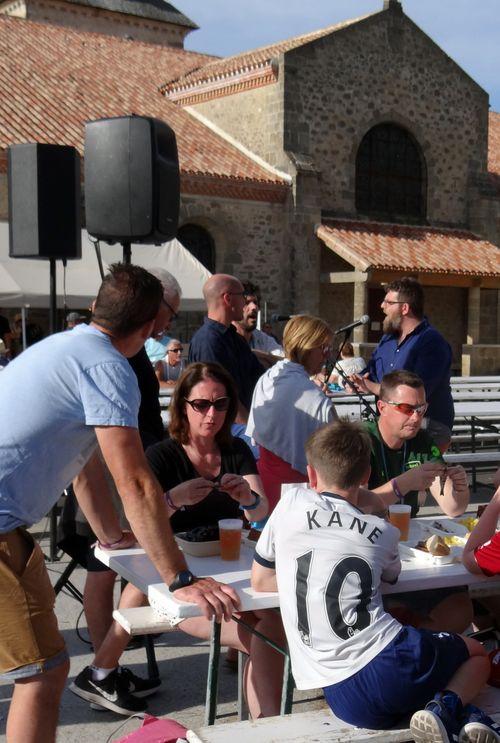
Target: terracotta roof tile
(53,79)
(250,59)
(371,245)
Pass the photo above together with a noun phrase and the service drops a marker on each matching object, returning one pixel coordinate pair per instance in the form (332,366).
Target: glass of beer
(399,516)
(230,538)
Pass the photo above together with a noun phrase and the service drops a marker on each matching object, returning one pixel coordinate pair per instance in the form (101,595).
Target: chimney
(393,5)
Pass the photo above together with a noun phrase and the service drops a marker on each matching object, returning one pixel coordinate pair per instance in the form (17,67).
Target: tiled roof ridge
(264,53)
(382,246)
(108,38)
(163,11)
(372,226)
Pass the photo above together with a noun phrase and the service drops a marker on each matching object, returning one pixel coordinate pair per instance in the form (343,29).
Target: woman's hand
(238,488)
(190,492)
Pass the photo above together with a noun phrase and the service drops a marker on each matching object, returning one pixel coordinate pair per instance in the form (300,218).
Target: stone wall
(480,359)
(101,21)
(446,308)
(385,69)
(250,242)
(254,118)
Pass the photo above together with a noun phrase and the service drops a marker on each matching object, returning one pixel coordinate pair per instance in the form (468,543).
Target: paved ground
(182,663)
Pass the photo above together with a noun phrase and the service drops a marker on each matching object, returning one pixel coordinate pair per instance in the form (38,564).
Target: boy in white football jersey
(327,558)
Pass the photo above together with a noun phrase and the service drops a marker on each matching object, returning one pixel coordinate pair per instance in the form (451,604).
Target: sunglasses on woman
(203,406)
(407,409)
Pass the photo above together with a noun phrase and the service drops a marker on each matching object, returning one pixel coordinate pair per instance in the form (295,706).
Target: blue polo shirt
(216,343)
(426,353)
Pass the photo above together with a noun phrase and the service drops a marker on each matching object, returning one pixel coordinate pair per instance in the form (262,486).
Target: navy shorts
(400,680)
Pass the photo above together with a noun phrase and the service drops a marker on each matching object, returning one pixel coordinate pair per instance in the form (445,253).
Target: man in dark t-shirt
(404,462)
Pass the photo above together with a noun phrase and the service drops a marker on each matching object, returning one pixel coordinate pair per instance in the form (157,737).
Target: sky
(467,30)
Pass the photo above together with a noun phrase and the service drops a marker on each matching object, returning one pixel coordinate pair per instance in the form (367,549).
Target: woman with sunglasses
(287,407)
(207,475)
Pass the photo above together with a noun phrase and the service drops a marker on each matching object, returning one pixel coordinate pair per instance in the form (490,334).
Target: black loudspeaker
(132,184)
(44,201)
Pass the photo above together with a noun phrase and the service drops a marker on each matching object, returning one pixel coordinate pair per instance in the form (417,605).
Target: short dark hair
(128,298)
(340,453)
(251,290)
(395,379)
(178,426)
(409,290)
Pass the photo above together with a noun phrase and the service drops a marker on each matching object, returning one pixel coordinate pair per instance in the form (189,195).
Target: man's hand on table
(214,599)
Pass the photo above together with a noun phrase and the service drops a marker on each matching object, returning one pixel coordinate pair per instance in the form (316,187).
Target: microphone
(281,318)
(364,320)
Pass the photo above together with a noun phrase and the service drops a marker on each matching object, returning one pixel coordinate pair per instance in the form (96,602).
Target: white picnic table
(134,565)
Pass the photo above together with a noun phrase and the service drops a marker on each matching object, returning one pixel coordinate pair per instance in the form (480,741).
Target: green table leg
(213,674)
(288,687)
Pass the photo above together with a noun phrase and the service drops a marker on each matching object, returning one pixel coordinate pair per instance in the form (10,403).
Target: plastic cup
(399,516)
(230,538)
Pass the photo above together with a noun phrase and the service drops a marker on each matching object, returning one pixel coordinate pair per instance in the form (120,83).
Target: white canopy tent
(26,282)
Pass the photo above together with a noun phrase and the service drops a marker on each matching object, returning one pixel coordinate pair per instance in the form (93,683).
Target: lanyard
(384,460)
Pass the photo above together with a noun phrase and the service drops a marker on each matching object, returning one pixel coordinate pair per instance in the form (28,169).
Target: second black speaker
(132,184)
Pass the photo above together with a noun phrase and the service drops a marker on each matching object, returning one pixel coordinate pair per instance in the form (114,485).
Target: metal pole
(127,252)
(53,296)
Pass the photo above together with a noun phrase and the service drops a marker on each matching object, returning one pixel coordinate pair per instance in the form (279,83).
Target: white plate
(409,554)
(445,527)
(419,532)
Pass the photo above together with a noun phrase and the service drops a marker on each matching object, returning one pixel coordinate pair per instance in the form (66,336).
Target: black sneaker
(111,692)
(136,685)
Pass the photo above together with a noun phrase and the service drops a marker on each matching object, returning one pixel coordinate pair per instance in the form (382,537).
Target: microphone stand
(369,413)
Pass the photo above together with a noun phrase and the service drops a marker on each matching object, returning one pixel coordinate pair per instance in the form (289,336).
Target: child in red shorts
(482,551)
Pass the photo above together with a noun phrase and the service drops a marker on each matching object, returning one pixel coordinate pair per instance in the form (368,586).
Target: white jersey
(330,558)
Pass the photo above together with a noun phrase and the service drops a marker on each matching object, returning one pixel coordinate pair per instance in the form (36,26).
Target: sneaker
(136,685)
(478,727)
(439,722)
(111,692)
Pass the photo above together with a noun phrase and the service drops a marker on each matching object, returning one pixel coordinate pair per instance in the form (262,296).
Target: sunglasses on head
(407,409)
(203,406)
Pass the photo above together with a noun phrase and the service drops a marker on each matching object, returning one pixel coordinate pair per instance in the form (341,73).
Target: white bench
(318,726)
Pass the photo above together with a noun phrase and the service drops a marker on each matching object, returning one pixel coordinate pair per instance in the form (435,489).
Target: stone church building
(319,167)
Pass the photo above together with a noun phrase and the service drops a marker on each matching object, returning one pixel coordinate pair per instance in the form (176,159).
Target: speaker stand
(52,325)
(127,253)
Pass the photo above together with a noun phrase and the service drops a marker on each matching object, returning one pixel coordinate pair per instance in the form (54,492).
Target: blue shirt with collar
(425,352)
(217,343)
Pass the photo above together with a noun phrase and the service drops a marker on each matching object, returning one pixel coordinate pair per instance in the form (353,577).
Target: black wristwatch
(183,579)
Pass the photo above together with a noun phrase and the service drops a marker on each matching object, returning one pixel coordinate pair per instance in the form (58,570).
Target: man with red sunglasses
(404,462)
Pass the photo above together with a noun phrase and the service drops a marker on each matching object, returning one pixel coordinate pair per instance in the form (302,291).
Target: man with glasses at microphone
(406,461)
(410,342)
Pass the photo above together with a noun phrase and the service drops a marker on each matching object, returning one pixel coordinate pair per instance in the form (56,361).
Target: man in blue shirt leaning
(58,400)
(410,342)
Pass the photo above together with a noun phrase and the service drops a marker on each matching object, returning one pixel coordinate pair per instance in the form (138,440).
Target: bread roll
(437,547)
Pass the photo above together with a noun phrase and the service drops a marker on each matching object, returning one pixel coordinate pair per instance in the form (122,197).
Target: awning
(26,282)
(374,247)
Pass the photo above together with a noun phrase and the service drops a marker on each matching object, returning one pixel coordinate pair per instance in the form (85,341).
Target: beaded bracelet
(112,545)
(397,492)
(170,503)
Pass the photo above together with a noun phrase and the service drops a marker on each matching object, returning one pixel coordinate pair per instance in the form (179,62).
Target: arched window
(200,243)
(391,176)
